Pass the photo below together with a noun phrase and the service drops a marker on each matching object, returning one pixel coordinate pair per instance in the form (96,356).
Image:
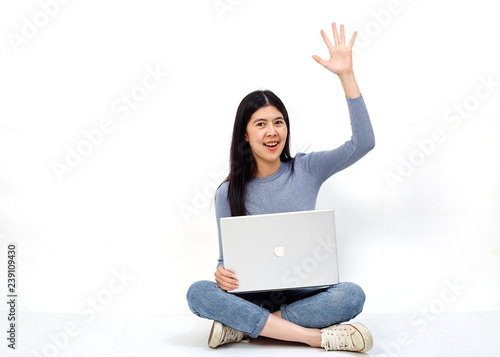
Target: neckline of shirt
(270,177)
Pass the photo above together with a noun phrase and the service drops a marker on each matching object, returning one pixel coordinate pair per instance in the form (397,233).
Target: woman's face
(266,133)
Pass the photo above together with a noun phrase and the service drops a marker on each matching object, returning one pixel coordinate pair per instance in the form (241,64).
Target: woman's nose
(271,131)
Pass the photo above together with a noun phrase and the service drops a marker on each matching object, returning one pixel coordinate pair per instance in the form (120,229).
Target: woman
(264,178)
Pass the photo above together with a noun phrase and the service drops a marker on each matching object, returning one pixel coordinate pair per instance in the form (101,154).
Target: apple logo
(279,250)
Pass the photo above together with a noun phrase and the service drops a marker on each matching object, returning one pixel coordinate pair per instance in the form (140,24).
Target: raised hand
(340,61)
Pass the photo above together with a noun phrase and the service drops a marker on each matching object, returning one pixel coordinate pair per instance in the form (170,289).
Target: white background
(139,203)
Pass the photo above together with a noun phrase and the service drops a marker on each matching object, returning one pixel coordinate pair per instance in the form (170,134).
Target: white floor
(448,334)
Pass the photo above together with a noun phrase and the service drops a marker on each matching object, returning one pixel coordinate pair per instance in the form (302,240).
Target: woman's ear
(246,137)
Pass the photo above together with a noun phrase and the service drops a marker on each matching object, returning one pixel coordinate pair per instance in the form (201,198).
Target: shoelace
(338,339)
(231,335)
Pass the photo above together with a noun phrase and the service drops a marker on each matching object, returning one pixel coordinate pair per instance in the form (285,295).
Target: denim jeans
(248,312)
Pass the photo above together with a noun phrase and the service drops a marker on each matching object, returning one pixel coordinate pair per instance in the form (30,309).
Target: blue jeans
(248,312)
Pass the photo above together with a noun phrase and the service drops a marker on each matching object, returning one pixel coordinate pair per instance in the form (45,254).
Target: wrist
(346,76)
(349,84)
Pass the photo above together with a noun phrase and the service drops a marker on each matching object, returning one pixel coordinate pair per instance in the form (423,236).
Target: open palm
(340,61)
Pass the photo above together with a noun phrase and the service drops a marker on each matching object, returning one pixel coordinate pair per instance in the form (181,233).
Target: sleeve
(323,164)
(222,209)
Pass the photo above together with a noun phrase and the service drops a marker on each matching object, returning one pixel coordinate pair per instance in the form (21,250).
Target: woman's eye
(260,124)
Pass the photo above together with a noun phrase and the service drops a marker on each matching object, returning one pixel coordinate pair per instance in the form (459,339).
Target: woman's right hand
(225,279)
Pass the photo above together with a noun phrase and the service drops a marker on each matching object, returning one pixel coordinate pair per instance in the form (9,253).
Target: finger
(327,41)
(225,276)
(228,280)
(335,34)
(226,283)
(342,35)
(225,272)
(227,287)
(353,38)
(319,60)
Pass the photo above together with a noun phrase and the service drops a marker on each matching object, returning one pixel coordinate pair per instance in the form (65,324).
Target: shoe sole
(215,335)
(366,336)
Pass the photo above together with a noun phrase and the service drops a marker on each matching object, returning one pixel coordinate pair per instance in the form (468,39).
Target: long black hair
(242,161)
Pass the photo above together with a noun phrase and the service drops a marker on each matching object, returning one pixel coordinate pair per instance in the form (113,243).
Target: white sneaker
(348,337)
(222,334)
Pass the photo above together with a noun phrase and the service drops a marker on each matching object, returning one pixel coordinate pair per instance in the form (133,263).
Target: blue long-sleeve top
(287,191)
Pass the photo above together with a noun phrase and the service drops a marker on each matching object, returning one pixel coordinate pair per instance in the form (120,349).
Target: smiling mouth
(271,144)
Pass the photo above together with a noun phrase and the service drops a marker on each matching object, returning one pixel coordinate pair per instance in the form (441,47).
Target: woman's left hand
(340,61)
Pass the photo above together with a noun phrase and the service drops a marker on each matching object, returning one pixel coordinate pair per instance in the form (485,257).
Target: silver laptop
(281,251)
